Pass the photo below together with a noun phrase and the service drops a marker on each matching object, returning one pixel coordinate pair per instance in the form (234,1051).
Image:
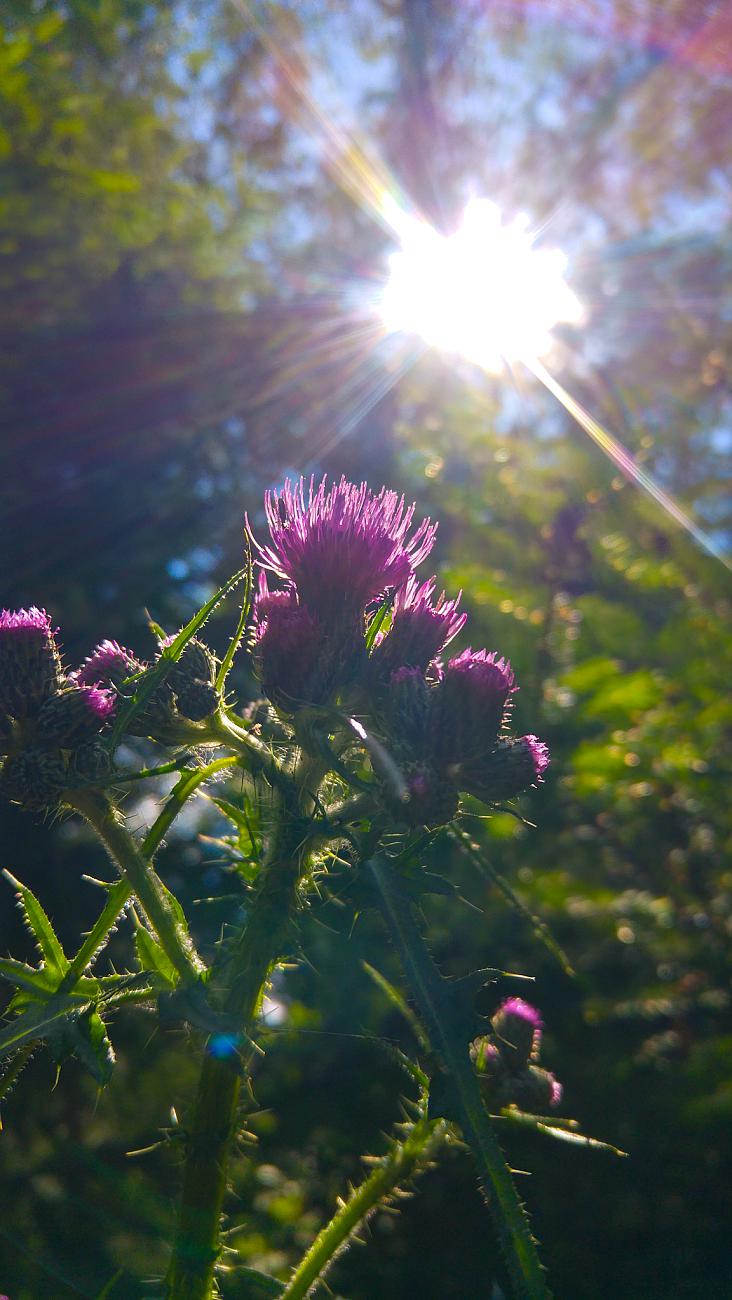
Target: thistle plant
(367,735)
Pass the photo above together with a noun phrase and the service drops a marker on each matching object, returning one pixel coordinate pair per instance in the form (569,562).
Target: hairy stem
(402,1161)
(238,985)
(429,991)
(141,877)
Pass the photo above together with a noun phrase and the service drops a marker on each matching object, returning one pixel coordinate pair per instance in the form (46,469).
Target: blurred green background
(186,317)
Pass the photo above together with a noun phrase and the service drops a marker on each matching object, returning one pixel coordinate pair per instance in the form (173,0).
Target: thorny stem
(402,1161)
(141,877)
(239,986)
(427,988)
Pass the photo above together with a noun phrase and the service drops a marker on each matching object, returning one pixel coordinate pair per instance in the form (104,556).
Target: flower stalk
(144,881)
(402,1161)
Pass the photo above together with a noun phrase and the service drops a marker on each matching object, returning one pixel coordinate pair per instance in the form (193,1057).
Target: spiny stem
(141,877)
(238,983)
(429,992)
(403,1160)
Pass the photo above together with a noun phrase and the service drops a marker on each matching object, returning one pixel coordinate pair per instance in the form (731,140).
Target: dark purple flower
(110,664)
(30,664)
(291,653)
(512,767)
(470,706)
(342,546)
(420,628)
(516,1008)
(100,703)
(75,715)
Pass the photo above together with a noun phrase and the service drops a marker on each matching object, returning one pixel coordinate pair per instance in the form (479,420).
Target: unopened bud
(34,778)
(91,763)
(533,1089)
(192,679)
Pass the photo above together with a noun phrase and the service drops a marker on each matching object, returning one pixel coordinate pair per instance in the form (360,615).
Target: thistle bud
(469,707)
(109,665)
(75,715)
(192,679)
(30,664)
(406,712)
(196,664)
(517,1028)
(198,700)
(299,660)
(512,767)
(34,778)
(486,1058)
(533,1089)
(90,764)
(430,799)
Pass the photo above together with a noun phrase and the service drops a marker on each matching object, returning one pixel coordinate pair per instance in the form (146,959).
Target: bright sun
(485,292)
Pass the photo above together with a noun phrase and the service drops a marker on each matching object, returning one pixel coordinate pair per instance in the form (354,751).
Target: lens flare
(485,292)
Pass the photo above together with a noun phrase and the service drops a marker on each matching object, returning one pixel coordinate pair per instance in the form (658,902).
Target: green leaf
(86,1036)
(152,957)
(235,642)
(169,656)
(564,1130)
(33,979)
(397,1000)
(37,1022)
(378,621)
(40,926)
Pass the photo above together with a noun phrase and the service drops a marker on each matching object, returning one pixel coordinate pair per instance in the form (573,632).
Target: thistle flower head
(421,627)
(341,546)
(30,623)
(74,715)
(470,706)
(110,664)
(30,664)
(516,1008)
(512,767)
(100,703)
(288,649)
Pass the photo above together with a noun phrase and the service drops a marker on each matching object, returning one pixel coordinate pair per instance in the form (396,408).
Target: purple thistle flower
(516,1007)
(470,706)
(420,627)
(109,663)
(30,664)
(513,766)
(75,715)
(290,651)
(340,547)
(31,621)
(101,703)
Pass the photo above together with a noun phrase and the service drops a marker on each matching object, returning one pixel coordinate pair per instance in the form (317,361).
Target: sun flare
(485,292)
